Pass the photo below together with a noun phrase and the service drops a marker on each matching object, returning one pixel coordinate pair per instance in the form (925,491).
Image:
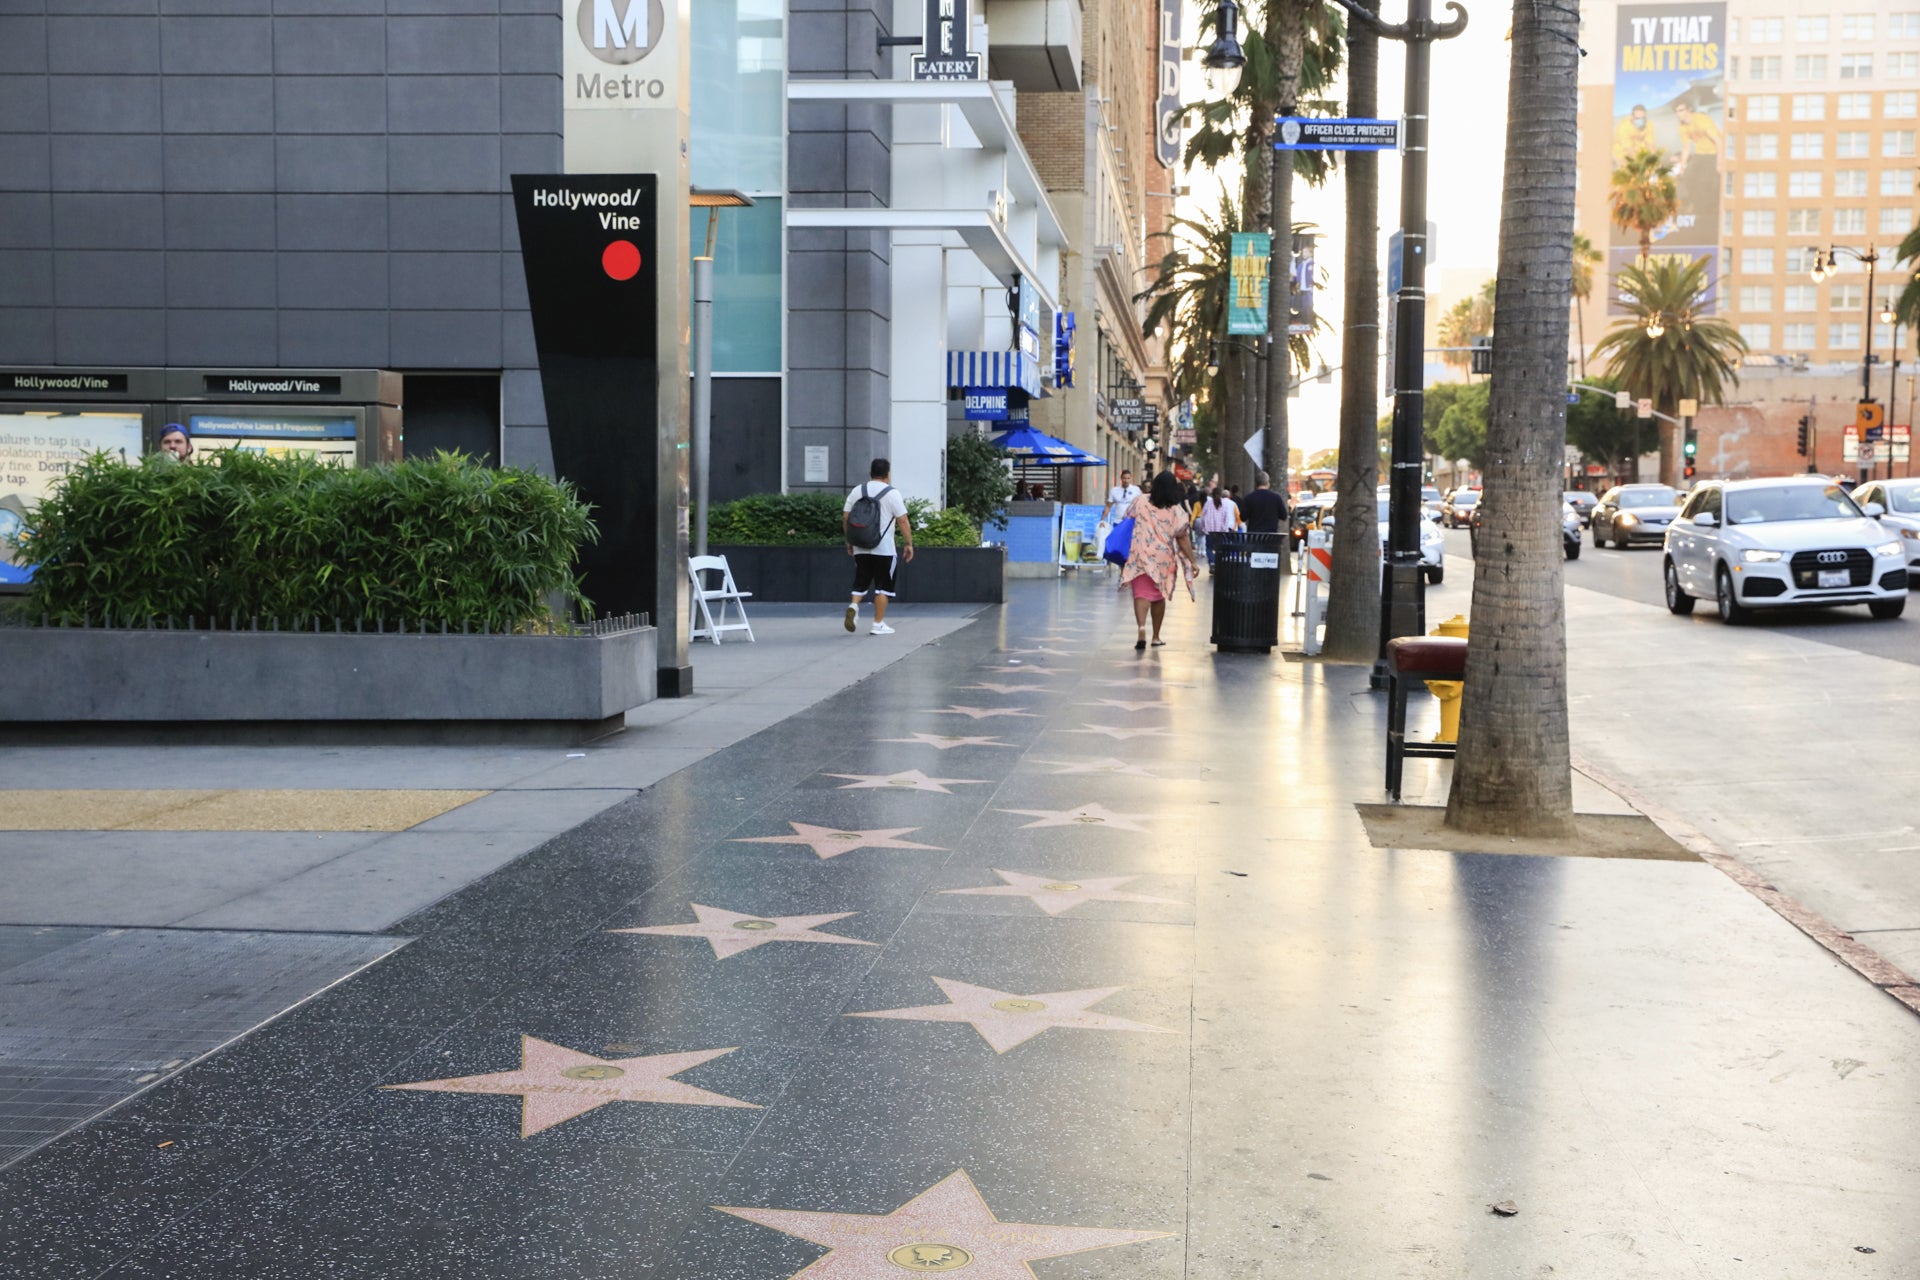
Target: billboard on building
(1669,98)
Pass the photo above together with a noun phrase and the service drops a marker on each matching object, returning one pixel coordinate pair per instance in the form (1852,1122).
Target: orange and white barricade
(1319,572)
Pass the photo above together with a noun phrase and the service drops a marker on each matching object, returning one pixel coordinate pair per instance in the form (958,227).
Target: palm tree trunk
(1513,775)
(1286,22)
(1669,443)
(1353,606)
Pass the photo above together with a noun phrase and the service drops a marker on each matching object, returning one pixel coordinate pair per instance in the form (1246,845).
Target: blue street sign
(1307,133)
(1573,397)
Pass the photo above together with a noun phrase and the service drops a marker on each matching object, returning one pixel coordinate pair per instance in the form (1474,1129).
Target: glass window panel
(1807,146)
(1796,337)
(1763,146)
(1758,336)
(1856,26)
(1901,106)
(746,285)
(1763,106)
(1805,182)
(1855,106)
(1846,182)
(1809,106)
(738,118)
(1808,29)
(1756,261)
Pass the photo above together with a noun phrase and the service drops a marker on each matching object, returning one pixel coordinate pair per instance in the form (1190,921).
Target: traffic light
(1692,446)
(1690,469)
(1801,447)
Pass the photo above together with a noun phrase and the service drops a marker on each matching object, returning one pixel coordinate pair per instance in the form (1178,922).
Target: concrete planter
(569,686)
(823,575)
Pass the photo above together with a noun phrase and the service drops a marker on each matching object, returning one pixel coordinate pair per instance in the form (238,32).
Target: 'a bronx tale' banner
(1250,256)
(1669,97)
(589,243)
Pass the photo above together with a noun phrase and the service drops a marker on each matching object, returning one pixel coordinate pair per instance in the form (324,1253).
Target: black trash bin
(1246,590)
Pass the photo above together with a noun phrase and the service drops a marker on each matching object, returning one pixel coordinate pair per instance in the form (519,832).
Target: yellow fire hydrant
(1449,691)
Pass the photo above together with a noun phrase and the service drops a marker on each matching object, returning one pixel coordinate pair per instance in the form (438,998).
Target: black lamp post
(1224,57)
(1403,589)
(1825,263)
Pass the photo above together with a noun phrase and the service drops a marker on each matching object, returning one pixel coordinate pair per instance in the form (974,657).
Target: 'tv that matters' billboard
(1669,102)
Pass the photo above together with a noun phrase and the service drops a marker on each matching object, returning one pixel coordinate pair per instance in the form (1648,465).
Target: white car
(1785,543)
(1433,547)
(1901,500)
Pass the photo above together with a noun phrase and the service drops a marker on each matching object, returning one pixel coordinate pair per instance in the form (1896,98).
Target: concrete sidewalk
(323,871)
(1110,953)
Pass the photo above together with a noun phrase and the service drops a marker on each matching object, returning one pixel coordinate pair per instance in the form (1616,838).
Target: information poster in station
(37,448)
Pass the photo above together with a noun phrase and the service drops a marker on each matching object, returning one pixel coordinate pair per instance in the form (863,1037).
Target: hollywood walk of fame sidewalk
(1117,987)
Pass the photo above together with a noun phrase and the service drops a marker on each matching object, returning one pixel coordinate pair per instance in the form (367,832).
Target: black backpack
(867,519)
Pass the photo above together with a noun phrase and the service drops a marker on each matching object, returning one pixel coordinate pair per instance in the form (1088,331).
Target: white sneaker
(880,629)
(853,614)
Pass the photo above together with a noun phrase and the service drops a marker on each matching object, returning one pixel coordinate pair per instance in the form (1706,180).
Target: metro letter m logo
(630,31)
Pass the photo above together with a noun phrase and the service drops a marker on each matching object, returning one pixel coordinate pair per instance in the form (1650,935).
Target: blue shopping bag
(1119,543)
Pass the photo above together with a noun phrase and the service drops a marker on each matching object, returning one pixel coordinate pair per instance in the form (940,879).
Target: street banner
(1669,97)
(1170,117)
(1300,303)
(1247,282)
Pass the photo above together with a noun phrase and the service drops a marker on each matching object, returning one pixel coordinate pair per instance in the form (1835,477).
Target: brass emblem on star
(845,835)
(930,1257)
(1061,886)
(754,924)
(593,1071)
(1018,1005)
(1086,817)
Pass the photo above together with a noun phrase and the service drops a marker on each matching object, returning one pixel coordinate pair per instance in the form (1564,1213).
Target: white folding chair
(707,625)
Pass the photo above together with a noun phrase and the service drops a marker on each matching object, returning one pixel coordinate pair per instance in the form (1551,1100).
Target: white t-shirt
(892,505)
(1121,496)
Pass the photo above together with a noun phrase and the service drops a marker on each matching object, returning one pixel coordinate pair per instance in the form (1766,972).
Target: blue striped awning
(993,369)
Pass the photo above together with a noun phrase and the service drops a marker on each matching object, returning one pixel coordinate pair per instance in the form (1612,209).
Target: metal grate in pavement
(90,1017)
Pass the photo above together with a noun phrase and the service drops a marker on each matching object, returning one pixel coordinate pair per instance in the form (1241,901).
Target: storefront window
(746,285)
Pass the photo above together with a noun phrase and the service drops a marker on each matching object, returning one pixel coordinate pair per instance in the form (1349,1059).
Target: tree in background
(1465,320)
(1668,349)
(1643,197)
(1462,429)
(1906,307)
(1603,433)
(1585,259)
(979,483)
(1513,775)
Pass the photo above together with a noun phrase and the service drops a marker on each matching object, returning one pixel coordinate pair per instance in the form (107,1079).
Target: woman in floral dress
(1161,548)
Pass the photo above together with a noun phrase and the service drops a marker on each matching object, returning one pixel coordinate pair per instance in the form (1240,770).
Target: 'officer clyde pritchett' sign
(1304,133)
(944,55)
(620,53)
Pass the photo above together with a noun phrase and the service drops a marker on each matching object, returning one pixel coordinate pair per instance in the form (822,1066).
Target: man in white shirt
(869,536)
(1119,498)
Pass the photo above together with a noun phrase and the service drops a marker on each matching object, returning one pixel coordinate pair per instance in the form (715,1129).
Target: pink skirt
(1144,589)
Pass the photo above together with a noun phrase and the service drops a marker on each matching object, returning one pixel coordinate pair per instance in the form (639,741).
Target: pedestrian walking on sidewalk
(873,511)
(1264,511)
(1119,498)
(1217,515)
(1161,549)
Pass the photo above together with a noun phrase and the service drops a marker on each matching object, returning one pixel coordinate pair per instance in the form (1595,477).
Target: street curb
(1846,948)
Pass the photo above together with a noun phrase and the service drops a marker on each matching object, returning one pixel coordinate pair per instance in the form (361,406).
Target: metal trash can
(1246,590)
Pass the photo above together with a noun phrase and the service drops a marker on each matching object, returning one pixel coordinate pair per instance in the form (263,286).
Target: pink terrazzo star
(1108,764)
(1005,688)
(1141,680)
(1006,1019)
(831,842)
(1123,705)
(556,1084)
(946,741)
(906,780)
(1055,894)
(976,713)
(948,1227)
(1086,815)
(1120,732)
(730,932)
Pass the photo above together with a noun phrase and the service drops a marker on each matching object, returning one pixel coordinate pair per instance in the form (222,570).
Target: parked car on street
(1582,502)
(1634,513)
(1569,531)
(1457,511)
(1308,512)
(1901,516)
(1769,544)
(1433,546)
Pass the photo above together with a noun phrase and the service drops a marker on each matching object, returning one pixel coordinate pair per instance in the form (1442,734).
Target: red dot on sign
(621,260)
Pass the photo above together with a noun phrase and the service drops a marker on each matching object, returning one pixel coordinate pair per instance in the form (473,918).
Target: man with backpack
(872,513)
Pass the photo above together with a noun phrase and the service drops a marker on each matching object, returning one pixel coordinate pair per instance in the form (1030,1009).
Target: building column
(919,362)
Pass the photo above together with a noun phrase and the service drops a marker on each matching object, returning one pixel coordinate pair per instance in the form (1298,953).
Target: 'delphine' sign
(620,53)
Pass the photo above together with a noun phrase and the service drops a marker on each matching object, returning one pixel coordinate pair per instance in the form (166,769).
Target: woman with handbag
(1161,549)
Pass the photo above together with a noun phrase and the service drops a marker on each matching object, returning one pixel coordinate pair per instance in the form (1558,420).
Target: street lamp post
(1403,589)
(1825,262)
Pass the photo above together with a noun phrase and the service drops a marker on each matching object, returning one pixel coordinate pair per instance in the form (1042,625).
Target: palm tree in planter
(1585,259)
(1668,349)
(1513,776)
(1643,197)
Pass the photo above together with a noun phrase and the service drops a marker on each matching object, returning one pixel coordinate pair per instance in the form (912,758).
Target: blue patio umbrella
(1032,447)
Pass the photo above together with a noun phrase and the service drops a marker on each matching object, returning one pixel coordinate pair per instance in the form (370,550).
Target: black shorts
(872,573)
